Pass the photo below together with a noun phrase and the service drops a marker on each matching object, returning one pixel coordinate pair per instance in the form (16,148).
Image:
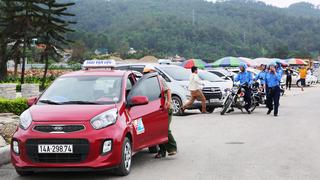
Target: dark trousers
(273,98)
(247,97)
(288,82)
(171,145)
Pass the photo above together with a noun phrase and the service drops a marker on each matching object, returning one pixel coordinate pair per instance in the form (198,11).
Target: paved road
(237,146)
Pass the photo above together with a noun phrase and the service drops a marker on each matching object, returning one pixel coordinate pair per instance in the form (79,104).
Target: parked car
(90,120)
(219,82)
(310,80)
(222,73)
(177,79)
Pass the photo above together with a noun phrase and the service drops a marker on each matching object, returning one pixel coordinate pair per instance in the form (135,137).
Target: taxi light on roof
(99,64)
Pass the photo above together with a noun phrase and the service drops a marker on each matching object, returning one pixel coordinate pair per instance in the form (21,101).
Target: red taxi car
(93,119)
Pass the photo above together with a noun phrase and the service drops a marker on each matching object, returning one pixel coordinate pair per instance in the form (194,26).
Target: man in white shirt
(195,88)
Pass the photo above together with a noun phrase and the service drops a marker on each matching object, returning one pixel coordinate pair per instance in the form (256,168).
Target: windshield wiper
(79,102)
(46,101)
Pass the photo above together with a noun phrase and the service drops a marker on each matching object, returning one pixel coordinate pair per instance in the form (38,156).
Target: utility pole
(244,37)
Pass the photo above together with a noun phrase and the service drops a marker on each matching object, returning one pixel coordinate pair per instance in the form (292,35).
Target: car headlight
(25,119)
(104,119)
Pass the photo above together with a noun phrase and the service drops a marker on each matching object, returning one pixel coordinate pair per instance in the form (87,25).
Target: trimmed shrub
(16,106)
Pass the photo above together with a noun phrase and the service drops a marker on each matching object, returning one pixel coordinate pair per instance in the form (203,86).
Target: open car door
(150,121)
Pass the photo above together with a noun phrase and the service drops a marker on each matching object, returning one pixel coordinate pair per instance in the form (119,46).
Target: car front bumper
(87,144)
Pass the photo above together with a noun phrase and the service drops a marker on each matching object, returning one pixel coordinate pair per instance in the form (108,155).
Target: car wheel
(299,83)
(210,109)
(125,166)
(153,149)
(176,106)
(23,172)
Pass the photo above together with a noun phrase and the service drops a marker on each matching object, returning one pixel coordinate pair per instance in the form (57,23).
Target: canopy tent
(294,61)
(194,62)
(232,62)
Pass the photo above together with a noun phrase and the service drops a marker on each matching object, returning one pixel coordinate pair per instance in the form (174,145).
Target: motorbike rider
(245,79)
(262,76)
(273,79)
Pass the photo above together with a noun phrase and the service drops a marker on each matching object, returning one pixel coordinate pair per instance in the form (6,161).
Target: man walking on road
(303,75)
(288,72)
(273,79)
(195,87)
(171,145)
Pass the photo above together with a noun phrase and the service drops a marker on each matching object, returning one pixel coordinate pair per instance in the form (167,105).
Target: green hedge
(16,106)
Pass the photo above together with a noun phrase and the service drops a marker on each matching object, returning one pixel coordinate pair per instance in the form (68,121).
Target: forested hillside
(196,28)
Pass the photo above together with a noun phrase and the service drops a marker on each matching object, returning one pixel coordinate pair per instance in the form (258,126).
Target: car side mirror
(31,101)
(138,101)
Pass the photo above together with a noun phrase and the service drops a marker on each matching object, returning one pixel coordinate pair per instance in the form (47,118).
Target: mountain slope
(167,27)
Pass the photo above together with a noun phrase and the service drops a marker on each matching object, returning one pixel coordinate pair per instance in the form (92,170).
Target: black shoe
(275,115)
(269,111)
(230,110)
(248,111)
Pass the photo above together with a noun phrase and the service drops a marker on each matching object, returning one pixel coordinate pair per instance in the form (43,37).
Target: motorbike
(258,94)
(282,88)
(235,99)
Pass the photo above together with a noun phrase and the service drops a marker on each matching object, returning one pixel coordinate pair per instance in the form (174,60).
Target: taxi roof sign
(99,63)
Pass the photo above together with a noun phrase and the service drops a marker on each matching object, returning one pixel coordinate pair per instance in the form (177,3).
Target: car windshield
(83,90)
(177,73)
(205,75)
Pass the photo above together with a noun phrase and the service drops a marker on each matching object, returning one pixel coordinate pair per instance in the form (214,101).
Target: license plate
(55,148)
(213,100)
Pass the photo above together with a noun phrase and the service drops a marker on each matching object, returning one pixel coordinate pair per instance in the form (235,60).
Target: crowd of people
(269,78)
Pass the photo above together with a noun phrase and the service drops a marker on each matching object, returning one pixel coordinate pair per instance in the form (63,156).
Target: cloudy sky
(286,3)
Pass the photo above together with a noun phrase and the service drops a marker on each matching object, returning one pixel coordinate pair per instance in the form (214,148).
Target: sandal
(159,156)
(172,153)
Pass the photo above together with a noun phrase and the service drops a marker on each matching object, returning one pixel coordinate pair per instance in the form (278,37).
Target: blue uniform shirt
(273,80)
(280,71)
(261,76)
(244,78)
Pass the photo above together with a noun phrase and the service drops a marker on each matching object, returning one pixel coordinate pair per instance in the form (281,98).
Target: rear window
(205,75)
(177,73)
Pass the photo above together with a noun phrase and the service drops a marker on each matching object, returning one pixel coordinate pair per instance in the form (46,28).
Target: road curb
(5,155)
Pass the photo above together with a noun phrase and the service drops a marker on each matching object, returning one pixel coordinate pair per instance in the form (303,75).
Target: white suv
(177,79)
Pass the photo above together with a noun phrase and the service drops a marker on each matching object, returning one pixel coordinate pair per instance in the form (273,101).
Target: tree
(78,51)
(52,30)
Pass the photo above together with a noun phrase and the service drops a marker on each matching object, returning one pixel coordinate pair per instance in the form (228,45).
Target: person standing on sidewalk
(171,145)
(195,88)
(303,75)
(288,72)
(273,79)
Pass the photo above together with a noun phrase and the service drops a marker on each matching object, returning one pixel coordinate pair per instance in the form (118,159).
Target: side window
(143,89)
(130,84)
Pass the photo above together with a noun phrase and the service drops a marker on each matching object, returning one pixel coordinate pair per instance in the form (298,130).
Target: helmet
(278,62)
(149,68)
(243,65)
(272,64)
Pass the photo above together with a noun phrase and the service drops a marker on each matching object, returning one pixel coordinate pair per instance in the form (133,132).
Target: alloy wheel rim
(127,156)
(176,106)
